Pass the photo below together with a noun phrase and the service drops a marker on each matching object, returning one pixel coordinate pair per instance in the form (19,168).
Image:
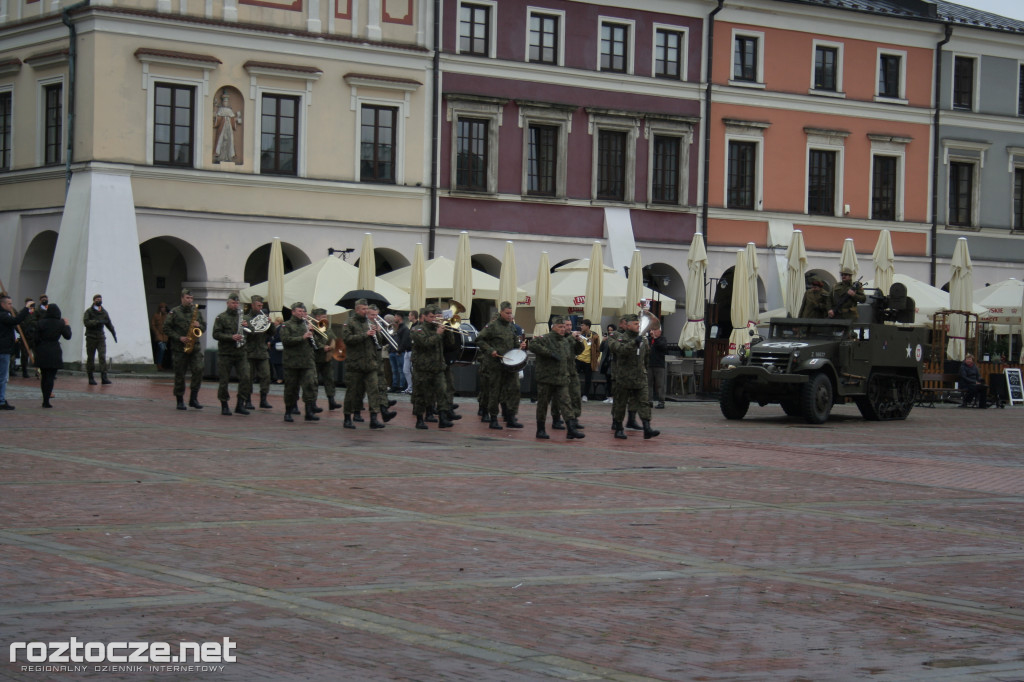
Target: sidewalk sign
(1014,386)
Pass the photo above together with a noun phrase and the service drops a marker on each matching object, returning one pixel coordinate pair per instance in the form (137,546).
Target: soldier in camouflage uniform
(382,402)
(631,351)
(845,296)
(178,328)
(576,345)
(816,300)
(496,339)
(428,365)
(227,332)
(95,319)
(323,356)
(551,351)
(362,357)
(299,364)
(259,357)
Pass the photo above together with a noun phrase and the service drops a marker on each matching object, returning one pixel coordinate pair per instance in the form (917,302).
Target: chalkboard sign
(1014,386)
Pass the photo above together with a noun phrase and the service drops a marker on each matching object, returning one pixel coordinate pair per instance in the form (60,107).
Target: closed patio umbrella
(796,266)
(752,267)
(367,264)
(462,285)
(885,262)
(417,280)
(507,289)
(848,257)
(593,304)
(634,285)
(740,308)
(275,278)
(542,300)
(961,295)
(692,335)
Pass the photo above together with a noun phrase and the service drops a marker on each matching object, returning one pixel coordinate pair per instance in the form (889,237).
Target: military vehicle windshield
(796,330)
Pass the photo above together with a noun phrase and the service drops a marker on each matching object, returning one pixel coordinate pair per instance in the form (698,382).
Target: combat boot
(348,422)
(104,380)
(557,424)
(619,433)
(316,409)
(430,418)
(510,421)
(92,379)
(288,413)
(420,424)
(374,424)
(224,409)
(576,424)
(631,422)
(486,416)
(541,433)
(263,401)
(392,403)
(311,413)
(452,416)
(357,417)
(181,403)
(249,405)
(571,431)
(495,425)
(193,400)
(388,415)
(333,404)
(240,407)
(648,431)
(443,422)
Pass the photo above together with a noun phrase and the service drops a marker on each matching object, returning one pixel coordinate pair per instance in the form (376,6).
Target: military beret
(505,305)
(186,292)
(631,318)
(361,301)
(318,311)
(233,296)
(257,299)
(298,304)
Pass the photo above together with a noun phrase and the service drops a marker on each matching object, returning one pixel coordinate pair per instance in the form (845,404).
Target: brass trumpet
(318,327)
(453,323)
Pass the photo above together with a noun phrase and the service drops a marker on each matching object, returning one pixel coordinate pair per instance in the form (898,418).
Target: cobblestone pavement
(766,549)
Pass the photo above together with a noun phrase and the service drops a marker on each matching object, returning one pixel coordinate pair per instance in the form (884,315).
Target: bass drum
(463,352)
(514,360)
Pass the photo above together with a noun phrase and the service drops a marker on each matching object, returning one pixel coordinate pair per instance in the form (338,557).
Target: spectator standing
(8,323)
(49,357)
(156,325)
(656,373)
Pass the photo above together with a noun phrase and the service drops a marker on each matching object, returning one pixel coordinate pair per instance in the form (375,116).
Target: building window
(542,160)
(614,47)
(6,110)
(471,155)
(666,169)
(378,143)
(1018,199)
(475,29)
(668,53)
(890,70)
(173,125)
(963,83)
(611,165)
(745,53)
(53,136)
(961,193)
(826,67)
(279,135)
(821,182)
(544,38)
(884,184)
(742,174)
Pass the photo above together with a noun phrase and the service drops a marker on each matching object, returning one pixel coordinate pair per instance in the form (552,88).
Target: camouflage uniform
(552,379)
(175,326)
(847,310)
(428,366)
(502,385)
(816,302)
(324,367)
(573,348)
(96,339)
(631,351)
(259,360)
(362,357)
(299,365)
(231,356)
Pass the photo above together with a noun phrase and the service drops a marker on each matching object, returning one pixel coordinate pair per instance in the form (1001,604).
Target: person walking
(227,332)
(299,364)
(183,326)
(428,365)
(551,352)
(95,319)
(631,392)
(49,357)
(8,324)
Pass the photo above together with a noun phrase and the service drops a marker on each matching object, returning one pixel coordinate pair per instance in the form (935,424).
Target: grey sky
(1007,8)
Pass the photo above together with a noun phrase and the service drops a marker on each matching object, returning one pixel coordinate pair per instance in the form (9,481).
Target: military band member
(299,364)
(257,354)
(493,341)
(227,332)
(845,296)
(362,355)
(631,351)
(95,319)
(817,300)
(324,357)
(574,346)
(382,402)
(428,366)
(179,326)
(589,360)
(551,351)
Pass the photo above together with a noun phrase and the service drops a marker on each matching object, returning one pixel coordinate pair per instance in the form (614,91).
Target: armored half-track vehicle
(809,365)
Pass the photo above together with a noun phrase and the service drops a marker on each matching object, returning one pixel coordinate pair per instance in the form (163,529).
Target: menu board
(1014,386)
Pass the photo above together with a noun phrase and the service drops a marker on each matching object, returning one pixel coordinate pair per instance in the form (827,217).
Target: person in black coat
(49,356)
(8,323)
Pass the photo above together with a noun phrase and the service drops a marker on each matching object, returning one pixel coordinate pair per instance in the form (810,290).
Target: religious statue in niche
(227,127)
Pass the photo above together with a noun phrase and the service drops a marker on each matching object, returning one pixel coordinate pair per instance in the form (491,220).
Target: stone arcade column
(98,253)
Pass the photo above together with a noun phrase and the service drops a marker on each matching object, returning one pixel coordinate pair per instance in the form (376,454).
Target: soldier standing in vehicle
(817,300)
(845,296)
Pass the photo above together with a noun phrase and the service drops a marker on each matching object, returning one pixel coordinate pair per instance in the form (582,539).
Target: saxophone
(193,332)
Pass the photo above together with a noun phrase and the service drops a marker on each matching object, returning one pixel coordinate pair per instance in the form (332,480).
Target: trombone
(382,328)
(317,327)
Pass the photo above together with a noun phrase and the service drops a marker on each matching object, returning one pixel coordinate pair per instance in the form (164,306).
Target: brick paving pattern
(766,549)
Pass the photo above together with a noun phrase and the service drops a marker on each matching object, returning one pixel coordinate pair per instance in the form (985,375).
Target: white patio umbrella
(796,265)
(961,295)
(569,285)
(848,257)
(462,284)
(417,280)
(740,308)
(593,303)
(634,285)
(1003,300)
(928,300)
(885,262)
(367,264)
(752,267)
(439,280)
(692,335)
(542,297)
(275,278)
(507,288)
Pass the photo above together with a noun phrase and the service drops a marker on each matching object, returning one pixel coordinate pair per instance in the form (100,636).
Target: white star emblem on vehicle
(909,350)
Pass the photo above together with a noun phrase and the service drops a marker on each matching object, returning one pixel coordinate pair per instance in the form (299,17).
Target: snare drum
(514,360)
(464,352)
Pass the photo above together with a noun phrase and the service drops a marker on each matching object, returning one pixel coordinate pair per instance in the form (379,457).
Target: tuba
(452,318)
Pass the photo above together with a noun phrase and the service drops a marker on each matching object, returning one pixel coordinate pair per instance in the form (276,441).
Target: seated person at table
(971,384)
